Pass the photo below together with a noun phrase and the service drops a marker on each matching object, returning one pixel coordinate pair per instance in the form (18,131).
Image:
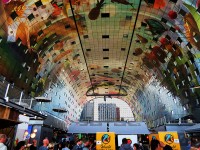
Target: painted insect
(94,12)
(125,2)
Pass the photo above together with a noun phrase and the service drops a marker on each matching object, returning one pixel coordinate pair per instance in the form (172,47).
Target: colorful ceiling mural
(101,47)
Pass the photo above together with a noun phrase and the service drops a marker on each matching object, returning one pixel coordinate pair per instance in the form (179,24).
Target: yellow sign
(105,141)
(170,138)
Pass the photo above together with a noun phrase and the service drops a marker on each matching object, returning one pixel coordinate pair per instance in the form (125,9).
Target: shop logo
(105,139)
(169,138)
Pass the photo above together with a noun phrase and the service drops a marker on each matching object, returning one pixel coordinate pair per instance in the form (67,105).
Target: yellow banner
(105,141)
(170,138)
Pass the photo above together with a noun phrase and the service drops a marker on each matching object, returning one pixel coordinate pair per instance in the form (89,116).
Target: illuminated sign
(105,141)
(170,138)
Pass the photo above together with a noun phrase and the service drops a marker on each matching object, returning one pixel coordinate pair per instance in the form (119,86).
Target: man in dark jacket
(79,145)
(125,145)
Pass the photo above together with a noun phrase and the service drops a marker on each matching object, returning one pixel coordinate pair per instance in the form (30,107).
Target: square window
(31,17)
(13,15)
(125,36)
(105,36)
(72,43)
(179,40)
(123,49)
(105,57)
(143,24)
(48,23)
(164,20)
(105,15)
(40,32)
(85,36)
(182,12)
(172,29)
(67,26)
(38,3)
(128,17)
(168,37)
(189,46)
(174,1)
(88,49)
(105,49)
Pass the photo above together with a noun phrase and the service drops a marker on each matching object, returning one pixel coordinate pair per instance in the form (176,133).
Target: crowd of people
(87,144)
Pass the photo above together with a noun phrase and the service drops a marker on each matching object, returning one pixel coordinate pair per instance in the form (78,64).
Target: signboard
(105,141)
(130,138)
(170,138)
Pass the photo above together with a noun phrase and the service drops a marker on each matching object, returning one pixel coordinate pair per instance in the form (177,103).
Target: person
(136,146)
(167,147)
(3,138)
(66,146)
(157,145)
(188,147)
(33,145)
(45,145)
(86,145)
(20,145)
(125,145)
(197,146)
(78,145)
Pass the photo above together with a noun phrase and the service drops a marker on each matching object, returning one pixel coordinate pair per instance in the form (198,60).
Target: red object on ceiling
(159,4)
(164,41)
(198,4)
(172,14)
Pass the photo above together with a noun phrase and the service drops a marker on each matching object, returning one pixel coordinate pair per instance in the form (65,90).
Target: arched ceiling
(101,47)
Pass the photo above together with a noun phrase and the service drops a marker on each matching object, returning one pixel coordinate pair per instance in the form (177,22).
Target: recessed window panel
(40,32)
(128,17)
(48,23)
(125,36)
(38,3)
(105,57)
(67,26)
(172,29)
(105,49)
(31,17)
(72,43)
(174,1)
(106,66)
(105,36)
(168,37)
(85,36)
(143,24)
(179,40)
(88,49)
(164,20)
(123,49)
(13,15)
(182,12)
(105,15)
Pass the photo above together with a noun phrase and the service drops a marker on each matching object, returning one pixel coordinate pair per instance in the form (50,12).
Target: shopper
(45,145)
(34,145)
(125,145)
(78,145)
(66,146)
(86,145)
(156,145)
(20,145)
(136,146)
(3,138)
